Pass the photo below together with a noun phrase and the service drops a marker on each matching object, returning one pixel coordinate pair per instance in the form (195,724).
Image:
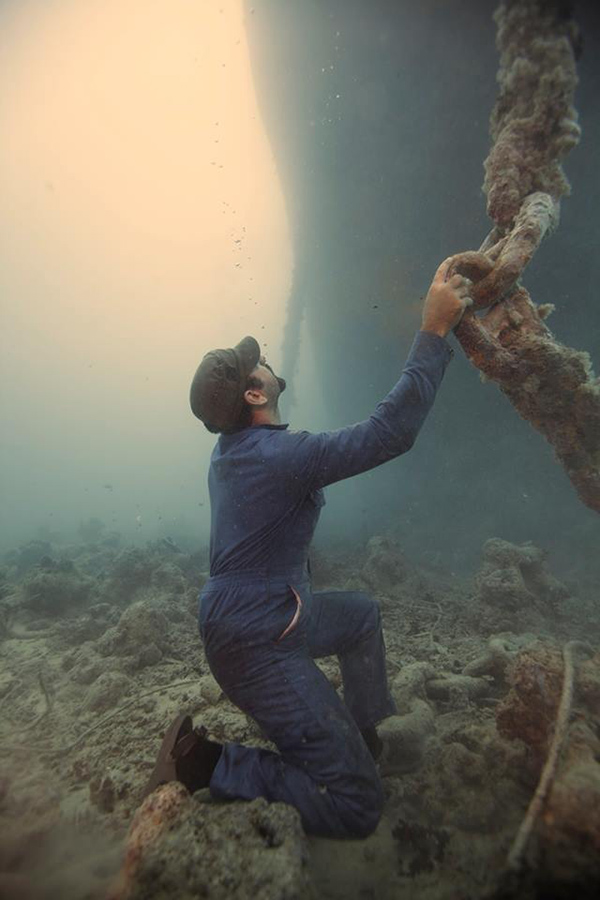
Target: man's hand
(446,300)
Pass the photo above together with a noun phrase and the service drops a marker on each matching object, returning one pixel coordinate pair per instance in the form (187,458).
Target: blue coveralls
(262,627)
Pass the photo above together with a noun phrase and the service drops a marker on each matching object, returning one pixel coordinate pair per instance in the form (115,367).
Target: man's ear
(255,397)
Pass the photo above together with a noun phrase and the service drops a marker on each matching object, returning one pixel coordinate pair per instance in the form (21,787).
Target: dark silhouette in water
(378,119)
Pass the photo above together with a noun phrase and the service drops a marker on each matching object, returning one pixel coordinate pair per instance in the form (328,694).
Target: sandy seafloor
(99,649)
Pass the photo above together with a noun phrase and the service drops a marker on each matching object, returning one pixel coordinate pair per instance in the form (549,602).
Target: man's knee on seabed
(372,613)
(362,823)
(360,817)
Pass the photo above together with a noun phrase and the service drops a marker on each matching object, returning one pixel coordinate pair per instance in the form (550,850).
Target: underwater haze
(143,224)
(175,176)
(379,118)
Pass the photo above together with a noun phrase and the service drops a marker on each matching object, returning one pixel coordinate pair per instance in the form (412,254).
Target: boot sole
(165,767)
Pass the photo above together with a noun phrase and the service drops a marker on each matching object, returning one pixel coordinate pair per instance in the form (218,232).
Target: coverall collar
(244,431)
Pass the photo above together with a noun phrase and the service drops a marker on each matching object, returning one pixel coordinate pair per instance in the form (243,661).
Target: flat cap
(217,390)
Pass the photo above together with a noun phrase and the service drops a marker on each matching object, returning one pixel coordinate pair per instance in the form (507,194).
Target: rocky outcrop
(567,816)
(179,846)
(140,638)
(513,576)
(385,567)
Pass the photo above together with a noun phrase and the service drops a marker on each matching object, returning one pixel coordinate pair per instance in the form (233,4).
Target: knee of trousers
(372,620)
(361,817)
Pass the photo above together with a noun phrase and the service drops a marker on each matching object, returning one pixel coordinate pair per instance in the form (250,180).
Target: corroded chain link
(533,127)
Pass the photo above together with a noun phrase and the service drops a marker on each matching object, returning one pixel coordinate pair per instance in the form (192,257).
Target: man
(261,625)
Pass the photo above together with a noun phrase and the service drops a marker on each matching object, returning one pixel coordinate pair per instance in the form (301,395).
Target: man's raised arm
(316,460)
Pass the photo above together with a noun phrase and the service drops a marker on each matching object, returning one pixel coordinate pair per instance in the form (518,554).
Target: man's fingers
(457,281)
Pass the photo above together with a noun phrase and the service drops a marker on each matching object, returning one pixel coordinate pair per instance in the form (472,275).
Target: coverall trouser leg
(323,767)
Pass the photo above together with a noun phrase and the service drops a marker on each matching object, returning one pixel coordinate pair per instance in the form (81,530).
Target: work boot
(185,755)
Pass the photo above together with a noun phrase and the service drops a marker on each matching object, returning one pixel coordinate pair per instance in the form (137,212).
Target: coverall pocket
(293,623)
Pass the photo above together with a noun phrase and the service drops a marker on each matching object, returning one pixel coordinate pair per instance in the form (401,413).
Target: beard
(280,381)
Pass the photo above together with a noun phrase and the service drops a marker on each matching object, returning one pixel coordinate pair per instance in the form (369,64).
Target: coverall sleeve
(323,458)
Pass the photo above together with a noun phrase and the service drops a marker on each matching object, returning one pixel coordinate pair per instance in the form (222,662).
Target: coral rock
(385,567)
(570,827)
(405,737)
(106,691)
(210,690)
(139,634)
(452,687)
(513,576)
(54,586)
(528,712)
(500,653)
(181,847)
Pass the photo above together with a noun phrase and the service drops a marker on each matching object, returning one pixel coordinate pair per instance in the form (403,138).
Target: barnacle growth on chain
(533,126)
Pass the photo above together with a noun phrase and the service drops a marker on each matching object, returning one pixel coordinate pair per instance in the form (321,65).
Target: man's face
(274,386)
